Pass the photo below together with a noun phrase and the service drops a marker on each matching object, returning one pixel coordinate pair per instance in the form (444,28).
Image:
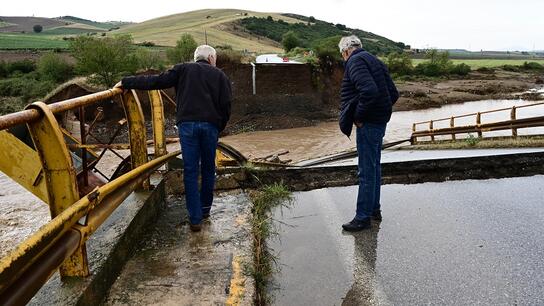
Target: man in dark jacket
(203,98)
(367,95)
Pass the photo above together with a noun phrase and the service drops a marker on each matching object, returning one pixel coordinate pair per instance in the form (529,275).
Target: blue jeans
(369,149)
(198,145)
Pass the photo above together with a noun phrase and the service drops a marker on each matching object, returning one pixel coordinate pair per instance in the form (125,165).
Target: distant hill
(103,25)
(65,25)
(217,24)
(310,30)
(254,31)
(241,29)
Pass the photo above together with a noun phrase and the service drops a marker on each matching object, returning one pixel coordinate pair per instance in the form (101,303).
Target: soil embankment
(499,85)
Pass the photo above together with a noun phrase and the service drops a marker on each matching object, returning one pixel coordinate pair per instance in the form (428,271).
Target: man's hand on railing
(119,85)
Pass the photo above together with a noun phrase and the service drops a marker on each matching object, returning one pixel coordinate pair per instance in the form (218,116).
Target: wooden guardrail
(479,127)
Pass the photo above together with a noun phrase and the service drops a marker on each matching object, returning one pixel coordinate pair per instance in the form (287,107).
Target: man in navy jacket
(367,95)
(203,103)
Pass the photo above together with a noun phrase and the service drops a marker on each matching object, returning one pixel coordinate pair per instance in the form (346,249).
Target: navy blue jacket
(203,92)
(368,93)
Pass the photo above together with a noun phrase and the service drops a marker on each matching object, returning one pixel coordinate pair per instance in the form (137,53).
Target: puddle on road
(452,243)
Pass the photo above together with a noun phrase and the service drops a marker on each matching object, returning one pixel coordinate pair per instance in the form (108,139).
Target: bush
(511,68)
(532,66)
(27,87)
(54,68)
(11,105)
(3,69)
(399,63)
(485,70)
(223,47)
(327,49)
(149,60)
(438,64)
(37,28)
(226,56)
(290,41)
(24,66)
(461,69)
(146,43)
(104,59)
(183,51)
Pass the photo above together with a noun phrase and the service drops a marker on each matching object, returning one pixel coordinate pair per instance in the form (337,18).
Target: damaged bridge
(118,235)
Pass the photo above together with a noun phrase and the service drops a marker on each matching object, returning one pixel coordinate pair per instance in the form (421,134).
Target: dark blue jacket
(203,92)
(368,93)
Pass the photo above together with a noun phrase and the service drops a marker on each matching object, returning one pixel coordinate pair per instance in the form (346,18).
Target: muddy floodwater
(326,139)
(452,243)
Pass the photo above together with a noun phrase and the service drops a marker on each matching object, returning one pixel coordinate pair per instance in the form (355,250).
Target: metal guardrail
(47,170)
(479,127)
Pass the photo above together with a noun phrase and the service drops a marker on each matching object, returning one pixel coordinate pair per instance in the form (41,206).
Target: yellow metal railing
(479,127)
(47,170)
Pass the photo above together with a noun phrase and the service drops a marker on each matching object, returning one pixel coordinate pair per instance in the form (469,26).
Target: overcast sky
(465,24)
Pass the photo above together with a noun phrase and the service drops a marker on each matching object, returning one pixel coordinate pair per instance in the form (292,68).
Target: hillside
(243,30)
(65,25)
(246,30)
(216,23)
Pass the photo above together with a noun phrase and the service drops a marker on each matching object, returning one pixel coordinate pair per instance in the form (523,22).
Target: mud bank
(500,85)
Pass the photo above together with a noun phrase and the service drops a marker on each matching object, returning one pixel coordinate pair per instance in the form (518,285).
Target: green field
(488,63)
(67,31)
(31,41)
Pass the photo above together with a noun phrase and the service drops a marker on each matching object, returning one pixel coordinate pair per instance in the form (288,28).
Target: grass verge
(485,143)
(262,229)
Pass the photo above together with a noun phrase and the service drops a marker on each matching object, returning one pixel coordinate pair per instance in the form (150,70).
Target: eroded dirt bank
(500,85)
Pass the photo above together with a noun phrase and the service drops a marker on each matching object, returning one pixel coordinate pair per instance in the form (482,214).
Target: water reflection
(363,290)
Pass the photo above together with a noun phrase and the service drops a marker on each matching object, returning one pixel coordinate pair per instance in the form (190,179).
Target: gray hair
(348,42)
(203,52)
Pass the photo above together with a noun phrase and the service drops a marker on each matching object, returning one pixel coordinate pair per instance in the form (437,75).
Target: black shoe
(195,227)
(357,225)
(377,215)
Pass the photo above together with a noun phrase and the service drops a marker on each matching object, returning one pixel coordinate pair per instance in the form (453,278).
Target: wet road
(452,243)
(174,266)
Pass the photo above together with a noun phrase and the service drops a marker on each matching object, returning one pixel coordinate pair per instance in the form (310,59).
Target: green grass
(262,229)
(68,31)
(488,63)
(477,143)
(31,41)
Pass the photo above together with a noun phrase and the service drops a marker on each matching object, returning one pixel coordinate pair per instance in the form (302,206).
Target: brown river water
(21,213)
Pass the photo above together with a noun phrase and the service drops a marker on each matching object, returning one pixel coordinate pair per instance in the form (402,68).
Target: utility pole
(206,36)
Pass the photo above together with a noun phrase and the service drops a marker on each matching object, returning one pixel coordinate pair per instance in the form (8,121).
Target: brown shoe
(195,227)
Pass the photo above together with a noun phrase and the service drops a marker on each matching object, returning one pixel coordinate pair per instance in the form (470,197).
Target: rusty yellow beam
(136,130)
(157,116)
(22,164)
(60,177)
(104,198)
(114,146)
(30,115)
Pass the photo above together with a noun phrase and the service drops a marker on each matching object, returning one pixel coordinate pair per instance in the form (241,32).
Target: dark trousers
(369,148)
(198,145)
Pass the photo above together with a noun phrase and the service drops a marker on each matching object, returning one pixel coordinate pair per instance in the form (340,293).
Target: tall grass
(262,229)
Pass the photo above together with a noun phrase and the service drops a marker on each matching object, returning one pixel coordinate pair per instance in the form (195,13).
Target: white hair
(203,52)
(348,42)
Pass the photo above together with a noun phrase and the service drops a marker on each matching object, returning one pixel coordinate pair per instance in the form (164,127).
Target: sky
(461,24)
